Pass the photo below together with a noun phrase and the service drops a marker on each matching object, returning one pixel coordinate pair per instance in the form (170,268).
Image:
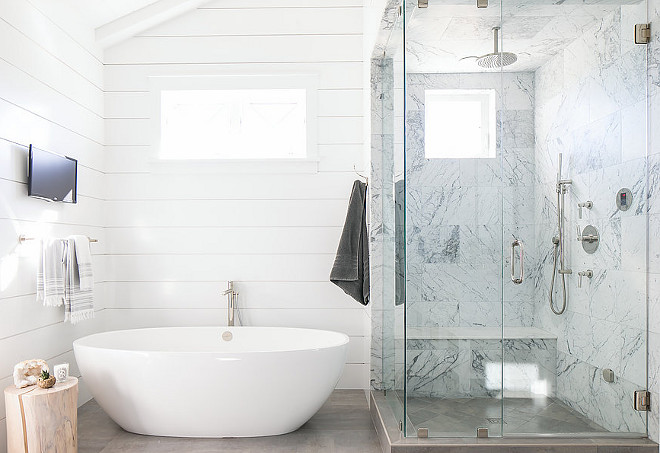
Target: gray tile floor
(343,424)
(462,416)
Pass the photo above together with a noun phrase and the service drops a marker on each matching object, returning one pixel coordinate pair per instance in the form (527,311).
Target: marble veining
(586,99)
(456,208)
(468,363)
(438,37)
(583,96)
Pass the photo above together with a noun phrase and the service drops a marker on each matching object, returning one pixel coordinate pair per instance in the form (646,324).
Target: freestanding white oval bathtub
(190,382)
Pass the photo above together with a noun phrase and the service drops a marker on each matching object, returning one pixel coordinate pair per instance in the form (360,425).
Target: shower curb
(391,440)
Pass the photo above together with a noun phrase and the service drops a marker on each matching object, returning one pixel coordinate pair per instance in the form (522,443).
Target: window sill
(245,166)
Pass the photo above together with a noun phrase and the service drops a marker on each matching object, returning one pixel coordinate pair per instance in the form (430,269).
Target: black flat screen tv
(52,177)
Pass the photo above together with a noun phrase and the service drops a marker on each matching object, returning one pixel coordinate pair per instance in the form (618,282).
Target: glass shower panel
(386,246)
(453,219)
(574,135)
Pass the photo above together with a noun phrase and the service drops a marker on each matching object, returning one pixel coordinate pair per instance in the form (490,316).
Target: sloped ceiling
(112,21)
(100,12)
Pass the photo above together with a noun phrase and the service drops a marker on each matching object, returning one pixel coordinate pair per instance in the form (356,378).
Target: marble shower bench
(466,362)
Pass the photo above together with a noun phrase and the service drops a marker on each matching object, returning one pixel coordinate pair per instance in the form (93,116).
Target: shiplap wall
(51,95)
(175,236)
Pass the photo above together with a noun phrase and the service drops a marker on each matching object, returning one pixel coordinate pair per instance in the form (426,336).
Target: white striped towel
(50,274)
(79,296)
(84,259)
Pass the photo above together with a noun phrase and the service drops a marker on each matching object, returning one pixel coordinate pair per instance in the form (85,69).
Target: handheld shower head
(561,183)
(559,168)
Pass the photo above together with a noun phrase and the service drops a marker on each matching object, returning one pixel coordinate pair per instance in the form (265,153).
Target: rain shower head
(496,59)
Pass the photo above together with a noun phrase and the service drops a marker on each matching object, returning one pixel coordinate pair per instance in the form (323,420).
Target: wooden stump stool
(42,420)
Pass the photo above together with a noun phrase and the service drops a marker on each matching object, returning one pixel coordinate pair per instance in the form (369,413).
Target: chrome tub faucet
(231,302)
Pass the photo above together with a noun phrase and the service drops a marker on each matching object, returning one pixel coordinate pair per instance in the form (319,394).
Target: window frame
(487,99)
(308,82)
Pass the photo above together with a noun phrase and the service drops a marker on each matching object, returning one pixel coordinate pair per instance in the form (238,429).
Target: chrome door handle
(521,255)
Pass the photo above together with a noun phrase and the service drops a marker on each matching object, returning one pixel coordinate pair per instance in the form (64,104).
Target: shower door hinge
(482,3)
(400,426)
(422,3)
(642,400)
(642,33)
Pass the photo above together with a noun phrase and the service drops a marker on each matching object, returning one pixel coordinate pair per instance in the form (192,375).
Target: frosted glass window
(233,124)
(459,124)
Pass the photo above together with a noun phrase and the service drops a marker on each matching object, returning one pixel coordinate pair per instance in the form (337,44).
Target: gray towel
(351,268)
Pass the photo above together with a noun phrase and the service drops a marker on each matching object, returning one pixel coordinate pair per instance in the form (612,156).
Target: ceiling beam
(138,21)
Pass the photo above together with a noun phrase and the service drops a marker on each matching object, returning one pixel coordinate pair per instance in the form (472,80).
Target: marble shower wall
(653,81)
(591,106)
(585,77)
(465,367)
(381,225)
(457,209)
(386,80)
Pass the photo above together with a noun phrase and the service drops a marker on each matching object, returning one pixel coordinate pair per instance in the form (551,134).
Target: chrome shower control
(589,238)
(587,204)
(588,273)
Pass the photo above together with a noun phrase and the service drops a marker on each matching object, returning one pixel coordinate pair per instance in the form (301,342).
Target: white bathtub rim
(345,339)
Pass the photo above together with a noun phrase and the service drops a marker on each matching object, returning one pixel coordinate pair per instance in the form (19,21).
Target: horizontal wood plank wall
(174,237)
(51,95)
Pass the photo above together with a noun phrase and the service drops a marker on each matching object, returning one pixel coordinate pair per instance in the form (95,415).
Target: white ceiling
(100,12)
(437,37)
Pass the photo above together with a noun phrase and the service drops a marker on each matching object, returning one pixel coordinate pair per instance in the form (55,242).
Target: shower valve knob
(588,273)
(586,237)
(587,204)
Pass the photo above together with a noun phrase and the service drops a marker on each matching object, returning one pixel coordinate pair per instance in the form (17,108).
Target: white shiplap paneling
(237,49)
(332,75)
(50,95)
(207,294)
(175,237)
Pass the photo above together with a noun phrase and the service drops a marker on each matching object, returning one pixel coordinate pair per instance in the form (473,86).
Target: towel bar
(22,238)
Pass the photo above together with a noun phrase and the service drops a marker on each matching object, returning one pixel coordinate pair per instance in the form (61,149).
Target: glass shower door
(453,201)
(575,329)
(525,147)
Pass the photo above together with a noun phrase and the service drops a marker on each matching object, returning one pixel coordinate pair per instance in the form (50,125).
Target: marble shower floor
(462,416)
(342,425)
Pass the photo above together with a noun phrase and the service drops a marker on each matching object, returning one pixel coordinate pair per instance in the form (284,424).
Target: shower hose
(558,243)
